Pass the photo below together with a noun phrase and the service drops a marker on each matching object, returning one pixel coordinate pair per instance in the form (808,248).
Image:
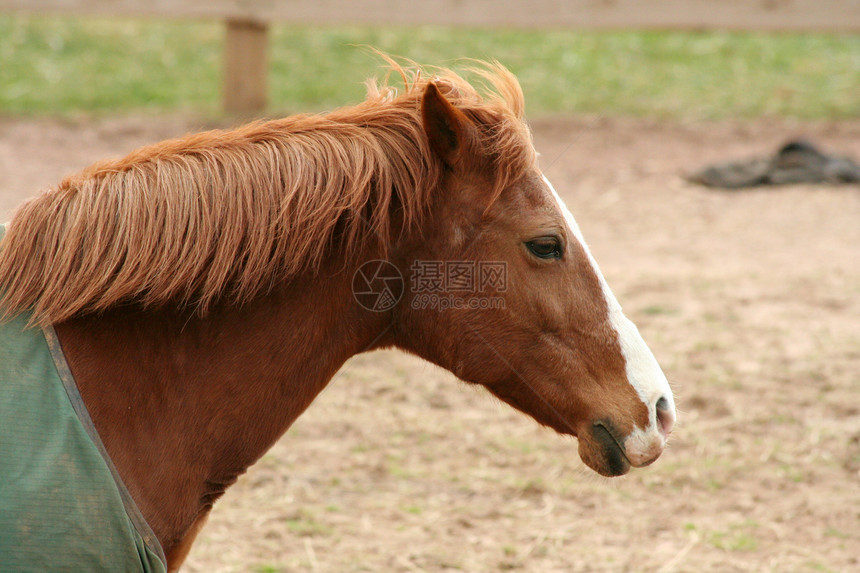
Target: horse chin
(600,451)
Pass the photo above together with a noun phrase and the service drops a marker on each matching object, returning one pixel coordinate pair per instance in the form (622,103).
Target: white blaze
(643,372)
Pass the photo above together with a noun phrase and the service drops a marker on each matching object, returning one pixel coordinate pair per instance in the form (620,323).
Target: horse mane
(225,215)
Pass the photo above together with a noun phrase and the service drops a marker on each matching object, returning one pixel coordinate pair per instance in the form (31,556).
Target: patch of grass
(51,65)
(833,532)
(65,65)
(656,310)
(306,525)
(794,473)
(739,537)
(714,484)
(817,566)
(396,467)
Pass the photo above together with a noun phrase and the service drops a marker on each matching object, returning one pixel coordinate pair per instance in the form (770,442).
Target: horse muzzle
(610,454)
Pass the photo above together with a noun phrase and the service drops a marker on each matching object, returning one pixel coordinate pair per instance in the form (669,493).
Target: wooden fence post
(245,67)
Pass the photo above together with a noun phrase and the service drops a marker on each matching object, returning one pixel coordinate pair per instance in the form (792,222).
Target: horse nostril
(665,417)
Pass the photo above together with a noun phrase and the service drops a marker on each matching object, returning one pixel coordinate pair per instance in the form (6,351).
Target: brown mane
(228,214)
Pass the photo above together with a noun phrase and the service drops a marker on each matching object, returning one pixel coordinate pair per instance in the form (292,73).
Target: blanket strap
(80,408)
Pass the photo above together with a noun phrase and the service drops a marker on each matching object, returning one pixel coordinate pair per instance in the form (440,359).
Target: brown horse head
(504,293)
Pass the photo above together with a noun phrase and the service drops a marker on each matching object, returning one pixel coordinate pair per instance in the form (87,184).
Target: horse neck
(185,405)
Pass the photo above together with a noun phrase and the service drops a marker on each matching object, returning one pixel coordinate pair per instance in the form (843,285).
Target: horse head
(536,322)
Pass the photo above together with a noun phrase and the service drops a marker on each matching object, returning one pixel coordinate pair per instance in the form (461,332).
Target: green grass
(62,65)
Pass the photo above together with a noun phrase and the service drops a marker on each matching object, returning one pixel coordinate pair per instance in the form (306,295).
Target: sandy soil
(750,300)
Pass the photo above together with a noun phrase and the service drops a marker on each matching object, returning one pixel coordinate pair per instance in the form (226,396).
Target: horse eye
(545,248)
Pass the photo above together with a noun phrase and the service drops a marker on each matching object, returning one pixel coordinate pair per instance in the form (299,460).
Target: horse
(199,293)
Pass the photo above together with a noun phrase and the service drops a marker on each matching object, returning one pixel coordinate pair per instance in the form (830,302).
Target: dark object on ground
(796,162)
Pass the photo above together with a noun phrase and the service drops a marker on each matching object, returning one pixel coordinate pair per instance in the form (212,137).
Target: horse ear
(446,126)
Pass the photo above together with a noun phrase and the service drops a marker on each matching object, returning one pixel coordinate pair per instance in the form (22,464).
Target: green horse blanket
(63,506)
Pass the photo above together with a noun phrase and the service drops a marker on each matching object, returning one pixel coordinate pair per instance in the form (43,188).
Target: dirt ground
(750,300)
